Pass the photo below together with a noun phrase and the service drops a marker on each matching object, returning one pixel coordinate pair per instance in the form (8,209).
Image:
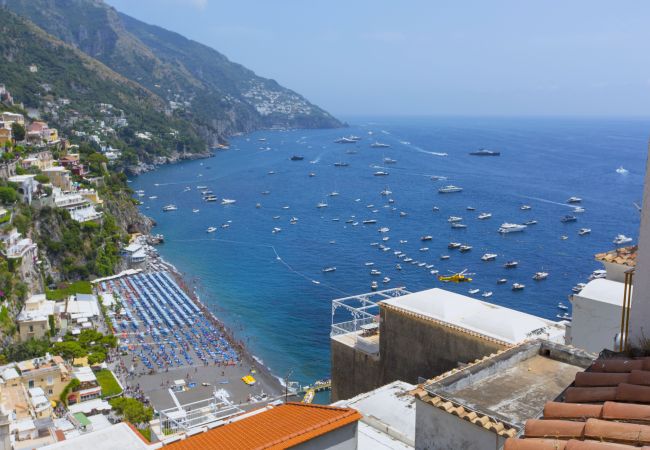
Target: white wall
(640,314)
(595,324)
(436,429)
(344,438)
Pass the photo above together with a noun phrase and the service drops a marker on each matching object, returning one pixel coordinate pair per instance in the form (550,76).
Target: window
(50,391)
(31,384)
(50,381)
(31,328)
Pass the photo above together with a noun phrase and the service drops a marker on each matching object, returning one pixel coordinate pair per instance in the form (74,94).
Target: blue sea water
(260,283)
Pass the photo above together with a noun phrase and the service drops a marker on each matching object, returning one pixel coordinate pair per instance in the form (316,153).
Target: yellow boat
(249,380)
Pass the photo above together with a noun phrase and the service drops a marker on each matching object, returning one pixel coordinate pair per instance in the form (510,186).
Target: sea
(269,287)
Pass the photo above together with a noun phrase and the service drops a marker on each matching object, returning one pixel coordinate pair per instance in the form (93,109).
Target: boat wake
(547,201)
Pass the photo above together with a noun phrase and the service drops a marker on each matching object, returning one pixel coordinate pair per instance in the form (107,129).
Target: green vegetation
(51,322)
(68,289)
(18,131)
(146,433)
(71,386)
(107,381)
(132,410)
(21,351)
(89,343)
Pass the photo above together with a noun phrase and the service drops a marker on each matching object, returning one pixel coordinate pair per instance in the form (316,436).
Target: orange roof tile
(624,255)
(283,426)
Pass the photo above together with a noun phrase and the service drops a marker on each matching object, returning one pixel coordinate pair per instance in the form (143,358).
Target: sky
(431,57)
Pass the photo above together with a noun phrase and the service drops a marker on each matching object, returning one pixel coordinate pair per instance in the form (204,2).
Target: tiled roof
(283,426)
(607,407)
(623,255)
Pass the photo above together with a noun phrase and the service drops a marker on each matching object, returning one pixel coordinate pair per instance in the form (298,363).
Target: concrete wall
(413,347)
(640,313)
(595,324)
(439,430)
(353,372)
(344,438)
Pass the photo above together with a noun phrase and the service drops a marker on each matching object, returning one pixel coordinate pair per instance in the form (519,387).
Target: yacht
(380,173)
(485,215)
(328,269)
(622,239)
(578,210)
(297,158)
(511,264)
(474,291)
(465,248)
(484,152)
(195,210)
(530,222)
(518,286)
(374,285)
(489,257)
(574,200)
(375,272)
(169,208)
(426,238)
(211,229)
(511,228)
(386,280)
(502,281)
(449,189)
(389,161)
(379,145)
(453,245)
(228,201)
(341,164)
(408,259)
(458,225)
(386,192)
(369,221)
(584,231)
(622,171)
(596,274)
(568,218)
(454,219)
(321,205)
(486,294)
(540,276)
(445,256)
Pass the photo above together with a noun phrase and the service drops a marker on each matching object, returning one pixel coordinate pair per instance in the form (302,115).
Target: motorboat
(574,200)
(293,220)
(435,208)
(470,208)
(375,272)
(321,205)
(369,221)
(276,217)
(502,281)
(228,201)
(386,192)
(474,291)
(454,219)
(333,194)
(565,316)
(195,210)
(168,208)
(201,187)
(422,264)
(210,198)
(622,171)
(458,225)
(271,172)
(406,260)
(596,274)
(486,294)
(153,197)
(258,205)
(377,144)
(426,238)
(265,192)
(276,230)
(385,238)
(328,269)
(511,264)
(568,218)
(368,264)
(346,140)
(578,287)
(374,285)
(385,280)
(437,178)
(285,207)
(518,286)
(584,231)
(312,174)
(341,164)
(485,215)
(578,210)
(398,266)
(453,245)
(402,214)
(484,152)
(380,173)
(434,271)
(564,237)
(389,161)
(211,229)
(621,239)
(561,305)
(403,241)
(525,207)
(465,248)
(424,249)
(449,189)
(374,244)
(540,276)
(297,158)
(445,256)
(489,257)
(506,228)
(530,222)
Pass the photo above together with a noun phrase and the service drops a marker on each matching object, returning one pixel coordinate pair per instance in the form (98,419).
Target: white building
(27,186)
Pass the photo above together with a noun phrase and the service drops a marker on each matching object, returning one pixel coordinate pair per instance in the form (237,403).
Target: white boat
(435,209)
(578,287)
(564,237)
(398,266)
(453,245)
(328,269)
(276,217)
(225,225)
(375,272)
(489,257)
(465,248)
(153,197)
(402,214)
(386,280)
(562,306)
(596,274)
(167,208)
(511,228)
(201,187)
(426,238)
(389,161)
(227,201)
(333,194)
(518,286)
(380,173)
(424,249)
(574,200)
(621,239)
(321,205)
(369,221)
(502,281)
(378,144)
(622,171)
(458,225)
(385,238)
(434,272)
(511,264)
(454,219)
(530,222)
(368,264)
(474,291)
(386,192)
(195,210)
(578,209)
(485,215)
(374,285)
(584,231)
(445,256)
(525,207)
(470,208)
(276,230)
(486,294)
(384,230)
(293,220)
(211,229)
(403,241)
(422,264)
(449,189)
(540,276)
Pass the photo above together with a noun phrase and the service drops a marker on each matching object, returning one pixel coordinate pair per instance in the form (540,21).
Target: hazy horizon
(503,58)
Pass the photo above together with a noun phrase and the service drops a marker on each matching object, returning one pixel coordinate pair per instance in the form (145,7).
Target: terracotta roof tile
(594,445)
(590,394)
(626,411)
(639,377)
(594,379)
(571,411)
(561,429)
(633,393)
(623,255)
(624,433)
(279,427)
(534,444)
(617,365)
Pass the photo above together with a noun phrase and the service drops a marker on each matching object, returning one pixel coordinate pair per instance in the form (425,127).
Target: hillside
(198,83)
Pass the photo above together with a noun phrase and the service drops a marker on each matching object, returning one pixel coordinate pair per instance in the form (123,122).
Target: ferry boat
(167,208)
(453,245)
(377,144)
(380,173)
(489,257)
(211,229)
(449,189)
(584,231)
(328,269)
(540,276)
(621,239)
(511,264)
(297,158)
(465,248)
(227,201)
(574,200)
(426,238)
(485,215)
(511,228)
(568,218)
(484,152)
(454,219)
(518,286)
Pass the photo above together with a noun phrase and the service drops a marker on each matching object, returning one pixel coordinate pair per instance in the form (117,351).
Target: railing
(351,326)
(625,310)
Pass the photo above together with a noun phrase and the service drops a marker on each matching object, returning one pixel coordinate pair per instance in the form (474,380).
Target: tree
(18,131)
(69,349)
(41,178)
(8,195)
(132,410)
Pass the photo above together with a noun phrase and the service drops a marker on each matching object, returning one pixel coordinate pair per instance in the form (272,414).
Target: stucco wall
(353,372)
(436,429)
(412,347)
(595,324)
(344,438)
